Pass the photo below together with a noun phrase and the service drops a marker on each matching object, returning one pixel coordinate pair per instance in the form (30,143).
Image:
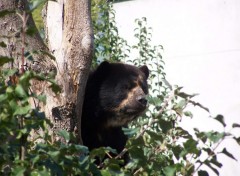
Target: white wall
(201,40)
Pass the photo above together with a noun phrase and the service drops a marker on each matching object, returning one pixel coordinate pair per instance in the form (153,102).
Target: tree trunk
(11,26)
(73,55)
(70,39)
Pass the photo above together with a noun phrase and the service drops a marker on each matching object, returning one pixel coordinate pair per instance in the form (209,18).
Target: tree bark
(73,57)
(70,39)
(11,27)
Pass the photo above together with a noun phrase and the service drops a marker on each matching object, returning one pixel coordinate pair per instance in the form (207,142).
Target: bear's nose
(142,100)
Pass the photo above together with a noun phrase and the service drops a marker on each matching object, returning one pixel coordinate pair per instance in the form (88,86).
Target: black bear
(115,95)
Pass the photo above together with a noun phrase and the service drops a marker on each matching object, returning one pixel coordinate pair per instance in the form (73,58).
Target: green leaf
(54,154)
(236,125)
(64,134)
(35,159)
(3,97)
(191,146)
(105,173)
(20,92)
(130,131)
(10,72)
(215,161)
(185,95)
(177,151)
(31,31)
(36,4)
(42,98)
(220,118)
(155,100)
(28,56)
(81,148)
(137,154)
(55,88)
(211,167)
(199,105)
(167,84)
(2,44)
(214,136)
(169,170)
(100,152)
(22,110)
(18,171)
(224,151)
(180,106)
(188,114)
(203,173)
(21,133)
(4,60)
(25,79)
(237,139)
(165,125)
(6,12)
(136,142)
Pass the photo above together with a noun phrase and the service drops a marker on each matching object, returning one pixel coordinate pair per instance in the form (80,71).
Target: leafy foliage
(157,144)
(108,44)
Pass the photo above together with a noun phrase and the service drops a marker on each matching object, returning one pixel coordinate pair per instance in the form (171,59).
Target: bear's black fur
(115,95)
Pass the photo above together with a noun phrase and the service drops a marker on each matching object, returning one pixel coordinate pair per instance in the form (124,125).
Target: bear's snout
(142,100)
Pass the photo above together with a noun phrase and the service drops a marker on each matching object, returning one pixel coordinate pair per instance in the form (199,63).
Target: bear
(115,95)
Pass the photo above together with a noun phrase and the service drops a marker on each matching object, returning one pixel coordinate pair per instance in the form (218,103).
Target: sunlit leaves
(164,148)
(18,171)
(169,170)
(20,92)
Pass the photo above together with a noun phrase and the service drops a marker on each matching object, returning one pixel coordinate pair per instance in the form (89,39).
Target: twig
(210,155)
(137,171)
(24,18)
(22,141)
(22,151)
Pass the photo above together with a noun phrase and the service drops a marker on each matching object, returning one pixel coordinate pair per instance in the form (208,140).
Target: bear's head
(122,92)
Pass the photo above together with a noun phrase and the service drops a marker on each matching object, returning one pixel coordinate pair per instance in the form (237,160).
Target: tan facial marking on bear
(128,99)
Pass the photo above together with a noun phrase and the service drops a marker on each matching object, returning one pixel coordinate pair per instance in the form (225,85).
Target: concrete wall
(201,42)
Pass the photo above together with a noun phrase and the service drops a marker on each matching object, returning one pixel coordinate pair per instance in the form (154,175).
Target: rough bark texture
(73,59)
(11,26)
(79,52)
(70,39)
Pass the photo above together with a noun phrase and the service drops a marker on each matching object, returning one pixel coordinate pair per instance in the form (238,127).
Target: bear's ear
(103,68)
(145,70)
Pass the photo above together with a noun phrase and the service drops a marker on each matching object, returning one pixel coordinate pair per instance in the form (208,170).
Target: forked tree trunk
(70,39)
